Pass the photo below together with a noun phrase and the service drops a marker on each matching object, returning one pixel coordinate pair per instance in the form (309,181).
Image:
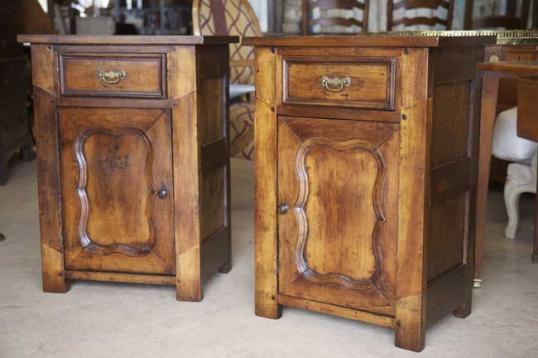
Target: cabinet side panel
(450,163)
(412,212)
(212,107)
(181,63)
(454,161)
(265,166)
(48,172)
(211,128)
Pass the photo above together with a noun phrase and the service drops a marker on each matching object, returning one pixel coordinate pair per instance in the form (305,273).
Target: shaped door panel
(117,190)
(338,236)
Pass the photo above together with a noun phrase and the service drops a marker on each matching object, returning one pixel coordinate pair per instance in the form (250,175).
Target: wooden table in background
(526,74)
(497,95)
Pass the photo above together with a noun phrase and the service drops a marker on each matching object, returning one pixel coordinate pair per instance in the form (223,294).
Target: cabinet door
(338,195)
(117,199)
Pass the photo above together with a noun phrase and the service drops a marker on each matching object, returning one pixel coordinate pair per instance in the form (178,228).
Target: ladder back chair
(508,20)
(233,18)
(403,15)
(334,16)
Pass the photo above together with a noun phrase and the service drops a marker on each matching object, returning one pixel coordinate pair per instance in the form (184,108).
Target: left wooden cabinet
(133,165)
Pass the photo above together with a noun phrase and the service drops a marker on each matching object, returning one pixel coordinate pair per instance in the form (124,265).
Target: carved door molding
(84,238)
(302,178)
(337,175)
(117,192)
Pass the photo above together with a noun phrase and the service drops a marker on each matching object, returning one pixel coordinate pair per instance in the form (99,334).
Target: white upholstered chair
(521,174)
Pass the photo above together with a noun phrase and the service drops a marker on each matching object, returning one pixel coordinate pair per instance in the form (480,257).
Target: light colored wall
(261,8)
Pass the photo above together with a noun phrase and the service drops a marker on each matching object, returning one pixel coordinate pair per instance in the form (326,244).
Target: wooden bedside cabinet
(133,165)
(366,168)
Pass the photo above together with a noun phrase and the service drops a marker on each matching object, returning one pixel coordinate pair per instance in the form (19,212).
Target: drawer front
(113,76)
(367,83)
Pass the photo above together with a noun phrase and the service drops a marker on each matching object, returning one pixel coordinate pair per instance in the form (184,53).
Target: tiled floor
(115,320)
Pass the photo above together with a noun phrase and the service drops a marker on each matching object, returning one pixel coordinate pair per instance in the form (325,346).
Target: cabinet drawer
(112,76)
(359,83)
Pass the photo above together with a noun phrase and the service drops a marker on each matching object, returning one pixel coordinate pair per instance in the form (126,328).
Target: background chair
(334,16)
(509,19)
(404,15)
(233,18)
(521,177)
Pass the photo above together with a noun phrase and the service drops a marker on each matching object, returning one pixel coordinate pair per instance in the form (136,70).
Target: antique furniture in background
(366,163)
(233,18)
(497,95)
(334,16)
(133,165)
(419,15)
(521,172)
(526,74)
(15,132)
(509,20)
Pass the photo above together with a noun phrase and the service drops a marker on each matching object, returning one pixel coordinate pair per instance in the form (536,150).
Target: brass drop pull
(112,77)
(335,84)
(163,192)
(283,208)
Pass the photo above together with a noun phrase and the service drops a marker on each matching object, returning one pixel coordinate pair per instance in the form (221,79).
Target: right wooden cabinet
(366,151)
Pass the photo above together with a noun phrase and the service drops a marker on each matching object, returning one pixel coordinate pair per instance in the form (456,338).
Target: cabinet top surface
(126,40)
(402,39)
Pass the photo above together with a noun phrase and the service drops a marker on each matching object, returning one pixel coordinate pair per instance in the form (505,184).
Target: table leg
(490,89)
(534,255)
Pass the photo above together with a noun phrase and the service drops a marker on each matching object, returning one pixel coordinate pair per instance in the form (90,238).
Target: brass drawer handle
(112,77)
(335,84)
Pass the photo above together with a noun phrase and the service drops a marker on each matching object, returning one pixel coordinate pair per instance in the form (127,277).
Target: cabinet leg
(410,333)
(189,287)
(54,282)
(267,307)
(28,153)
(464,310)
(227,267)
(193,295)
(3,171)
